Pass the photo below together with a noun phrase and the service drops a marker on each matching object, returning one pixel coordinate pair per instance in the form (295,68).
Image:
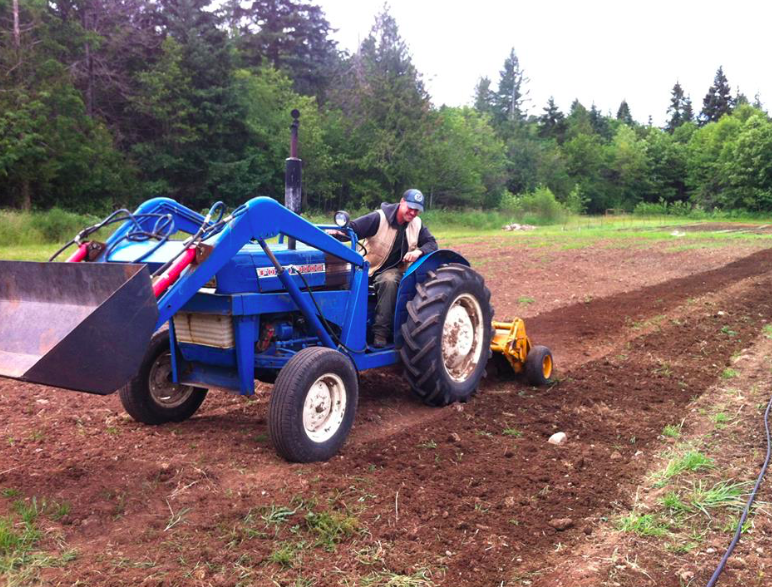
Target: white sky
(599,51)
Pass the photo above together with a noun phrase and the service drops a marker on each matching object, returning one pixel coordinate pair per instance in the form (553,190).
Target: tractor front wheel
(313,404)
(447,335)
(151,397)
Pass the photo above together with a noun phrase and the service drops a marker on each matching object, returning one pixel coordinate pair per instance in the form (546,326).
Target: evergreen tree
(511,94)
(600,123)
(290,35)
(483,96)
(624,115)
(718,100)
(51,151)
(740,98)
(757,102)
(189,119)
(676,108)
(688,112)
(578,120)
(387,114)
(552,123)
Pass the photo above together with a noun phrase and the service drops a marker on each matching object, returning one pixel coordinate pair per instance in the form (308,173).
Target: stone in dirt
(454,437)
(558,438)
(685,575)
(561,524)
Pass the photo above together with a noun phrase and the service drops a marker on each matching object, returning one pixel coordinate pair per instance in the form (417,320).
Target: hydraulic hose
(744,516)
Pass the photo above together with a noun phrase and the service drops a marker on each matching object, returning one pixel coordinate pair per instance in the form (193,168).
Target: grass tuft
(331,527)
(689,461)
(642,524)
(671,431)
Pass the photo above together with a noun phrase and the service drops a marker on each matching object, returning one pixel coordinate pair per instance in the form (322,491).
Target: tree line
(105,103)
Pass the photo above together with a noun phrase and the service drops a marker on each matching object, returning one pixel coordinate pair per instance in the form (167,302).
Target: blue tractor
(239,308)
(258,293)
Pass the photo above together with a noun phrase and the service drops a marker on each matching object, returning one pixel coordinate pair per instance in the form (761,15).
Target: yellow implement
(511,341)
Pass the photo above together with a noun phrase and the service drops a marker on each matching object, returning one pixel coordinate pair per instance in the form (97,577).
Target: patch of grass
(277,515)
(514,432)
(690,461)
(642,524)
(673,502)
(525,301)
(672,430)
(768,330)
(10,493)
(429,444)
(720,420)
(175,518)
(729,373)
(724,494)
(60,510)
(19,536)
(286,554)
(420,578)
(728,331)
(331,528)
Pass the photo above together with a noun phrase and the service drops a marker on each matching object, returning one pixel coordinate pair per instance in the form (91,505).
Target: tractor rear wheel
(447,335)
(151,397)
(313,404)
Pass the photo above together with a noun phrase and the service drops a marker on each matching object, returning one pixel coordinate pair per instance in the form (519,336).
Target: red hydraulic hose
(174,271)
(79,255)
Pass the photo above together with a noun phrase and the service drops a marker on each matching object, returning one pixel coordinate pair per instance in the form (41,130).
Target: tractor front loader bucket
(81,326)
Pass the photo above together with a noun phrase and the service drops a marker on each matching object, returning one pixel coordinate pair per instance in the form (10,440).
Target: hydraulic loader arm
(259,219)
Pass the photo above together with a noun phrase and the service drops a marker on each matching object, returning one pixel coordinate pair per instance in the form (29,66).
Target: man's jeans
(386,286)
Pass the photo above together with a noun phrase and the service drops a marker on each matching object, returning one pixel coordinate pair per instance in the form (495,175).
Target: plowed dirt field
(466,495)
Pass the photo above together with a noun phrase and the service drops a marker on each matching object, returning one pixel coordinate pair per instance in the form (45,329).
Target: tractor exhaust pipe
(293,174)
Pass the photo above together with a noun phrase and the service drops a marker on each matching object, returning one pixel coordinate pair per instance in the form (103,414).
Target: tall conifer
(718,101)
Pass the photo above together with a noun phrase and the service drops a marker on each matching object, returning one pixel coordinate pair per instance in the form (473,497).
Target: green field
(34,237)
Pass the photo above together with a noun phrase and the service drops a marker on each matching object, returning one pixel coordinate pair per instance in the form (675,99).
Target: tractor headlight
(342,218)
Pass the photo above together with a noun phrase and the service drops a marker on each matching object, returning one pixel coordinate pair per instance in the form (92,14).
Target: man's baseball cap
(414,199)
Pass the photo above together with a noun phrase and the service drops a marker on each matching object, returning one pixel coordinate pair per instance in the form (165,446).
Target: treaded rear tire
(137,397)
(290,434)
(426,367)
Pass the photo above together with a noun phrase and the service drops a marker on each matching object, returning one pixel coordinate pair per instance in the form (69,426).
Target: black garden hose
(736,539)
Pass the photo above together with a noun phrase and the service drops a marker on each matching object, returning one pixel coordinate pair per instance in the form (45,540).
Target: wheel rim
(324,407)
(163,391)
(546,366)
(462,337)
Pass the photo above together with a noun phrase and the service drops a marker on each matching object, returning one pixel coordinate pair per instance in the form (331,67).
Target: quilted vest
(379,245)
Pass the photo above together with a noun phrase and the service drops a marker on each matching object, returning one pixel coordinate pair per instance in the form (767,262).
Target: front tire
(313,405)
(447,335)
(151,397)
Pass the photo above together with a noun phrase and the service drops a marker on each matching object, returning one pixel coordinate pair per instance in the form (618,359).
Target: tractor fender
(414,275)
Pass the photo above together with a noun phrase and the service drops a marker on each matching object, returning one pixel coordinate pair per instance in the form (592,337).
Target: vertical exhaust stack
(293,174)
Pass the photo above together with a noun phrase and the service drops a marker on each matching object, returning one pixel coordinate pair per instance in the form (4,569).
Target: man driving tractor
(394,237)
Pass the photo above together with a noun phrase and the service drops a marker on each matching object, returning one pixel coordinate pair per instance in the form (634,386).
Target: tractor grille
(206,329)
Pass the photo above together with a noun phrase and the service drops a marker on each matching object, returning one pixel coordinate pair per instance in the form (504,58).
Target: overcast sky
(595,50)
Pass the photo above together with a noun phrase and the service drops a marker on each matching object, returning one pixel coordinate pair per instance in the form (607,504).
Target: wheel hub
(462,337)
(162,389)
(324,407)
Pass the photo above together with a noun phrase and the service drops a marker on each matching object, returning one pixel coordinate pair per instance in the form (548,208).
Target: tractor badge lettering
(311,268)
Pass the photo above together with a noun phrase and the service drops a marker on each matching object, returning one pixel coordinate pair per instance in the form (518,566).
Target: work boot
(380,341)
